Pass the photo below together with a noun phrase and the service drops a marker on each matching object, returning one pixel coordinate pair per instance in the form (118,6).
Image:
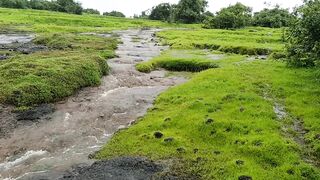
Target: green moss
(192,63)
(74,61)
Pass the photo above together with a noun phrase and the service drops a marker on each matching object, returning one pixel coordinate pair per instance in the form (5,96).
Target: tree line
(232,17)
(67,6)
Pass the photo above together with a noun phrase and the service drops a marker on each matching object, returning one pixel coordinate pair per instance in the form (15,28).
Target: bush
(161,12)
(68,6)
(91,11)
(273,18)
(114,14)
(190,11)
(232,17)
(303,35)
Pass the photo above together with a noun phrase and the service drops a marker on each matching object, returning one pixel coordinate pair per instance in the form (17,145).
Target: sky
(131,7)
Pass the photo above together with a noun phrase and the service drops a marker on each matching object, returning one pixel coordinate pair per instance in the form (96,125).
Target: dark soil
(123,168)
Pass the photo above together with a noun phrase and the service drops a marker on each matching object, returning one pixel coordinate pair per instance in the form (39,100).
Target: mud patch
(18,43)
(35,113)
(133,168)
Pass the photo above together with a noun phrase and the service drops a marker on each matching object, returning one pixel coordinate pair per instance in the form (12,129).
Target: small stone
(158,135)
(91,156)
(240,162)
(209,121)
(167,140)
(181,150)
(245,178)
(290,171)
(101,115)
(216,152)
(213,132)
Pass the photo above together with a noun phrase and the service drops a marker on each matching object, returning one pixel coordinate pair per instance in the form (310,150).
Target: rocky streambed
(67,132)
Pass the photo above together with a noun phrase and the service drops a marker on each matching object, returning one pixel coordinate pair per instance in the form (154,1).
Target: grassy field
(251,41)
(249,117)
(45,21)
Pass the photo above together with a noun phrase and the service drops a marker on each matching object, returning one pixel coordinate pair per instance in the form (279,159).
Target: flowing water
(82,124)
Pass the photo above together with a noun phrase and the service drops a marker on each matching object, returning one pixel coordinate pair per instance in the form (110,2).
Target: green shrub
(304,40)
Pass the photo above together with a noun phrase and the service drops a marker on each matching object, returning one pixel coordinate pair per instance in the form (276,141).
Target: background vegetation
(68,6)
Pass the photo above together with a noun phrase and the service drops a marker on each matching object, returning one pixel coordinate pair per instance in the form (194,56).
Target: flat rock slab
(15,38)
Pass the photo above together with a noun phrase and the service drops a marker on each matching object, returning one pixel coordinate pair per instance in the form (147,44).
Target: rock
(35,113)
(181,150)
(209,121)
(91,156)
(101,115)
(216,152)
(158,135)
(170,139)
(290,171)
(3,57)
(245,178)
(213,132)
(240,162)
(118,168)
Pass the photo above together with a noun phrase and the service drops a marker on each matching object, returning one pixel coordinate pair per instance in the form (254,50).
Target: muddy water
(15,38)
(83,123)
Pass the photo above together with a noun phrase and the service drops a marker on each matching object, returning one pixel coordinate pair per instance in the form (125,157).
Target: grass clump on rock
(72,62)
(190,63)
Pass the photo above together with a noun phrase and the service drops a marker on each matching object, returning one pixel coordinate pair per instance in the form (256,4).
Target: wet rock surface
(83,123)
(133,168)
(35,113)
(19,43)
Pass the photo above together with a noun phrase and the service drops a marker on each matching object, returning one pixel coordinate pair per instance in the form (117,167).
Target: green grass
(46,21)
(252,41)
(191,62)
(224,127)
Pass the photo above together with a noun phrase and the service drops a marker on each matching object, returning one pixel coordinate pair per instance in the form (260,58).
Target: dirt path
(83,123)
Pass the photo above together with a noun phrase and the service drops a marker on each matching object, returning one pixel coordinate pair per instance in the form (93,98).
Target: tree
(69,6)
(235,16)
(91,11)
(274,18)
(303,35)
(161,12)
(114,13)
(190,11)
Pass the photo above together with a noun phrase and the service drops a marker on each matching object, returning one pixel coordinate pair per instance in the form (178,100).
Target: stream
(83,123)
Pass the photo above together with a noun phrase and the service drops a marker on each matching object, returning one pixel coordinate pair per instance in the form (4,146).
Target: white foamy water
(9,164)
